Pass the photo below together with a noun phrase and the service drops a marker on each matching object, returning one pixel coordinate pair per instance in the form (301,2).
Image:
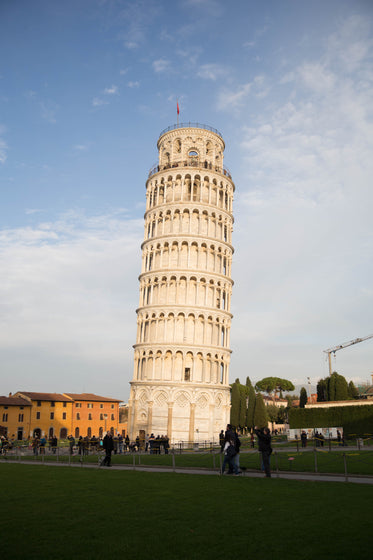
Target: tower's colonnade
(180,383)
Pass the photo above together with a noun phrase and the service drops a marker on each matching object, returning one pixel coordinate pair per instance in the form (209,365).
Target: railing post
(345,465)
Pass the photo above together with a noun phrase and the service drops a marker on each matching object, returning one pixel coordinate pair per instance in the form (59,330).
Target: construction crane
(331,351)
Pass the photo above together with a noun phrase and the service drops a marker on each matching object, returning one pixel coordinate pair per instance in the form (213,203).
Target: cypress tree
(243,408)
(353,393)
(235,404)
(260,414)
(322,392)
(250,409)
(341,388)
(303,398)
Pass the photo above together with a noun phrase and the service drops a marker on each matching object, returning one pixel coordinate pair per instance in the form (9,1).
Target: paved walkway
(245,474)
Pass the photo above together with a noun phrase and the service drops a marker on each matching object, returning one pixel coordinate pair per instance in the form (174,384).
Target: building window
(112,406)
(39,403)
(38,416)
(77,416)
(78,405)
(64,416)
(53,403)
(52,415)
(5,417)
(21,407)
(101,416)
(64,405)
(112,416)
(89,416)
(187,374)
(101,405)
(20,417)
(89,405)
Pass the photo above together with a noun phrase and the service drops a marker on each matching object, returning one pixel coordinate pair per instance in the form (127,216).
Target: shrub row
(357,420)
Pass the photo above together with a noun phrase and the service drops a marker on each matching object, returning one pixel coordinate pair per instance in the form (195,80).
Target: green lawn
(60,512)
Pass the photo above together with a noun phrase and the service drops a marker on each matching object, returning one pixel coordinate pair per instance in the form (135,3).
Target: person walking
(264,441)
(108,446)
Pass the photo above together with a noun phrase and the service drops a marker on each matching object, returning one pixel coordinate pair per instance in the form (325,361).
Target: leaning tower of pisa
(180,383)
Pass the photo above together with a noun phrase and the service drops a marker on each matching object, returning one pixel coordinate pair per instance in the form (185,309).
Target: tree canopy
(274,385)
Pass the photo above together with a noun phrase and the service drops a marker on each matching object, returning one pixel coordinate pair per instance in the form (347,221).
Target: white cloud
(3,150)
(68,289)
(97,102)
(80,147)
(228,99)
(161,65)
(48,111)
(113,90)
(303,220)
(133,84)
(212,71)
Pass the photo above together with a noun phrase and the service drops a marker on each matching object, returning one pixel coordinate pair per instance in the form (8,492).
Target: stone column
(150,416)
(169,420)
(191,421)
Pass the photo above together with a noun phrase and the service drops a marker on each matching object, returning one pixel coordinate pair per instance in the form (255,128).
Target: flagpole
(177,110)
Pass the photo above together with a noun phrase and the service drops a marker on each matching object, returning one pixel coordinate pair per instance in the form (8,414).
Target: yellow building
(28,414)
(15,417)
(51,414)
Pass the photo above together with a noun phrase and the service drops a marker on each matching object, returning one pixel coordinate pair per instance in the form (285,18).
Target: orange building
(15,417)
(94,415)
(29,414)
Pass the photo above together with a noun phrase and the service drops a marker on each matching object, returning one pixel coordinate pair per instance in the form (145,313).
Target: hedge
(355,420)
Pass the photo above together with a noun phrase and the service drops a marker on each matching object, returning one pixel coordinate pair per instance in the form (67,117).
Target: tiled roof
(13,401)
(90,397)
(57,397)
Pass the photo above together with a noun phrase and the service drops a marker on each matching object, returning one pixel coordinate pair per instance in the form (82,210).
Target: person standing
(229,454)
(264,441)
(221,441)
(71,444)
(108,446)
(303,438)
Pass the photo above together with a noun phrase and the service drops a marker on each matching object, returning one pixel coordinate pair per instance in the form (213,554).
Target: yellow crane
(331,351)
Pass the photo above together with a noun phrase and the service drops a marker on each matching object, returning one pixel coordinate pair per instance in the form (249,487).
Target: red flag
(178,110)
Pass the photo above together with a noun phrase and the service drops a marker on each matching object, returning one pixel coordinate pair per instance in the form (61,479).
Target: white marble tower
(180,383)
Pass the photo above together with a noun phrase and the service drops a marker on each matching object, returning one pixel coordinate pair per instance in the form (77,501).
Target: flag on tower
(177,105)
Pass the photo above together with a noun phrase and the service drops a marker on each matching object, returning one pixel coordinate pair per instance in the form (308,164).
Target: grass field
(60,512)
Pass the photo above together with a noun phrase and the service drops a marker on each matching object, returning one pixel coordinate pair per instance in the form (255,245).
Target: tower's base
(183,412)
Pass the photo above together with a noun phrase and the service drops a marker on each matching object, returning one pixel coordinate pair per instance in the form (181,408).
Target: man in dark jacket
(264,439)
(108,445)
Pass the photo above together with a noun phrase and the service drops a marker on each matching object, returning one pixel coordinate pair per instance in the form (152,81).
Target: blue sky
(86,87)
